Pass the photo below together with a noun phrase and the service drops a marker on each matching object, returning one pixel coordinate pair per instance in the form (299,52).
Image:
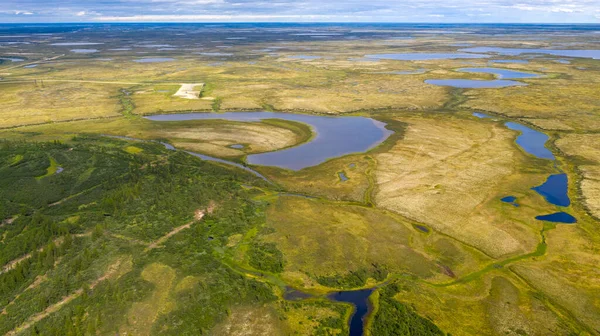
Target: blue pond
(558,217)
(237,146)
(335,136)
(421,228)
(360,300)
(474,84)
(532,141)
(582,53)
(555,189)
(425,56)
(501,73)
(342,176)
(510,199)
(481,115)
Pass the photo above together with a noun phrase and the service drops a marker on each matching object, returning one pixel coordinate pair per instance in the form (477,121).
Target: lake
(501,73)
(334,136)
(532,141)
(474,83)
(581,53)
(555,190)
(154,60)
(425,56)
(558,217)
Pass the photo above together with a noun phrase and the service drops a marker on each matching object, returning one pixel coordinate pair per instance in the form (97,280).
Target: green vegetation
(104,236)
(395,318)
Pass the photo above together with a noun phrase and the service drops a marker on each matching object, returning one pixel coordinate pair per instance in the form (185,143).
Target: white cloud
(211,17)
(82,13)
(22,12)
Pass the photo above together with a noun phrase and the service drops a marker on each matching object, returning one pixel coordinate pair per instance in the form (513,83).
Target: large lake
(581,53)
(334,136)
(425,56)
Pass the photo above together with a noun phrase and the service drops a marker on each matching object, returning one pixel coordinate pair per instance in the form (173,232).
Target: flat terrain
(105,231)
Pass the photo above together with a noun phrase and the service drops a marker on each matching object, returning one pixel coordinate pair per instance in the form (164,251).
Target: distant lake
(474,83)
(581,53)
(154,60)
(84,51)
(304,57)
(425,56)
(501,73)
(510,61)
(75,43)
(12,59)
(335,136)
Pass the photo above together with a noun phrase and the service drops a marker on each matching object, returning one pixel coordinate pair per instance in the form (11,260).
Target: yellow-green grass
(151,99)
(24,104)
(51,170)
(251,321)
(584,149)
(213,137)
(133,150)
(16,159)
(550,103)
(142,315)
(450,173)
(497,304)
(323,180)
(324,239)
(301,318)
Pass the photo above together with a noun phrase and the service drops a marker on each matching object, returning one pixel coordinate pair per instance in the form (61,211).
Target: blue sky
(551,11)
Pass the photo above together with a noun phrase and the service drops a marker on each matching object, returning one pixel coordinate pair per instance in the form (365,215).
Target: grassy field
(104,236)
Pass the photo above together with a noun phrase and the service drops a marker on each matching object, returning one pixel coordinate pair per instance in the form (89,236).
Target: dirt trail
(110,272)
(198,215)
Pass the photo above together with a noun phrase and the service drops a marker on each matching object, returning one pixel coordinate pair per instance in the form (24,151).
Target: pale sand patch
(187,91)
(445,172)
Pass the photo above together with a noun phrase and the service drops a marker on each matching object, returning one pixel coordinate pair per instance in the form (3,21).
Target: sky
(450,11)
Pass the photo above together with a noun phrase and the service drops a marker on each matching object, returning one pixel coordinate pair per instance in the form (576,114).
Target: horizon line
(307,22)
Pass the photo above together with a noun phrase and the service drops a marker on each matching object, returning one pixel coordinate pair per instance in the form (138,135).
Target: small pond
(558,217)
(555,190)
(360,300)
